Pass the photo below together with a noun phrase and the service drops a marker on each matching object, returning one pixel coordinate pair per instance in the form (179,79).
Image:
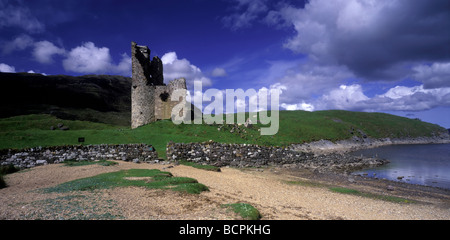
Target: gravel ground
(266,190)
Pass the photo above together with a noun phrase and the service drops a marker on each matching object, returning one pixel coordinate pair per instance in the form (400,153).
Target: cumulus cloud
(7,68)
(44,51)
(345,97)
(181,68)
(300,82)
(88,58)
(298,106)
(399,98)
(124,66)
(435,75)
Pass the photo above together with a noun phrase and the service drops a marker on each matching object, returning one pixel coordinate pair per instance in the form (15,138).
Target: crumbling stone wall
(249,155)
(228,154)
(150,97)
(30,157)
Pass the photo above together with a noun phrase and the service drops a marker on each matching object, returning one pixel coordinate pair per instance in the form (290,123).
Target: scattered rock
(337,120)
(390,188)
(248,123)
(41,162)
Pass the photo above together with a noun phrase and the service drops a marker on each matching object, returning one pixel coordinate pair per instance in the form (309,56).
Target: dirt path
(267,190)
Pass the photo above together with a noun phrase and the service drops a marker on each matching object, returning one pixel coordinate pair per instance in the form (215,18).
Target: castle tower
(150,97)
(142,104)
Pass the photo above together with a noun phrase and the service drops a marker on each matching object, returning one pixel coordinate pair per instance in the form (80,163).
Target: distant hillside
(96,98)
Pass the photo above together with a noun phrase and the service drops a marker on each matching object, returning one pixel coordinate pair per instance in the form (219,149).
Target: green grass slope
(295,127)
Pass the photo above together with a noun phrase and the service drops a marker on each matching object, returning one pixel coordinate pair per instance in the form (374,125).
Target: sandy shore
(269,190)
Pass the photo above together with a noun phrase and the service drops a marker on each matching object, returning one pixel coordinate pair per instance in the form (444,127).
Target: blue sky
(362,55)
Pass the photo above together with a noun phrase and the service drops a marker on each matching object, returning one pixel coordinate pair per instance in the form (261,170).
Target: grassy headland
(295,127)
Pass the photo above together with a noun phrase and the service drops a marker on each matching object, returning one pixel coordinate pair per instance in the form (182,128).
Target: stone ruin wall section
(142,92)
(163,104)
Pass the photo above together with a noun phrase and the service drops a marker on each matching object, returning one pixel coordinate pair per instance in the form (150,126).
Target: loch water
(424,164)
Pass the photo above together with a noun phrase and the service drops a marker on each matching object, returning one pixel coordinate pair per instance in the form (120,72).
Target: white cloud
(433,76)
(169,58)
(181,68)
(88,59)
(344,97)
(124,66)
(218,72)
(415,98)
(302,81)
(31,71)
(91,59)
(399,98)
(298,106)
(44,51)
(6,68)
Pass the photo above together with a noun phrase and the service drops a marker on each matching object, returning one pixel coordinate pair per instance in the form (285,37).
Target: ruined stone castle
(150,97)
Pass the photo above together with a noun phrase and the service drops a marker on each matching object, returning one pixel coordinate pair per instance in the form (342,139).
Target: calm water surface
(427,164)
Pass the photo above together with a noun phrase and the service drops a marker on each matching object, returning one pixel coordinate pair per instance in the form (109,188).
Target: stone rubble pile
(26,158)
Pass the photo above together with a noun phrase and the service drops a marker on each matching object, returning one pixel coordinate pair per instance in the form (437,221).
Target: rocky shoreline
(248,155)
(357,143)
(346,147)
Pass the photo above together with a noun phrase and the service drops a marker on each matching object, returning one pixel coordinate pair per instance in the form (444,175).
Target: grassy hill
(295,127)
